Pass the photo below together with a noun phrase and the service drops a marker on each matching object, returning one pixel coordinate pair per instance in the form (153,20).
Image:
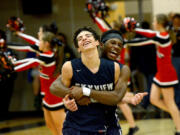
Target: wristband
(86,91)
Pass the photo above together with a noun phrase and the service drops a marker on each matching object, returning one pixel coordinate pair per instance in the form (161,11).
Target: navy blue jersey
(111,119)
(92,117)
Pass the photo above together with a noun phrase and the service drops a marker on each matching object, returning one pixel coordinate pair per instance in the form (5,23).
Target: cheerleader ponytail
(57,47)
(59,53)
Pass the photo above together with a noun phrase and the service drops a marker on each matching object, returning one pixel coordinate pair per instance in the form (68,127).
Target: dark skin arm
(60,87)
(113,97)
(104,97)
(108,97)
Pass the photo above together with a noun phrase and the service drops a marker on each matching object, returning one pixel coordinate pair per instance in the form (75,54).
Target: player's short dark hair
(95,35)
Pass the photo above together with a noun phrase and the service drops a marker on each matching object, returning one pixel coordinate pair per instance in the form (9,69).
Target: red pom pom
(129,23)
(16,24)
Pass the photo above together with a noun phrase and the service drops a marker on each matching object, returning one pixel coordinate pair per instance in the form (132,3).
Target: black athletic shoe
(132,131)
(177,133)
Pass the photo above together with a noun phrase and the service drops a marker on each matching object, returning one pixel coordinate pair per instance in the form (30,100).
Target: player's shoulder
(67,66)
(125,71)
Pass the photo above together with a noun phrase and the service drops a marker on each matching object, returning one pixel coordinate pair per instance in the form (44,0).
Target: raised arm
(25,64)
(42,59)
(146,32)
(60,87)
(24,48)
(143,41)
(30,39)
(158,40)
(102,24)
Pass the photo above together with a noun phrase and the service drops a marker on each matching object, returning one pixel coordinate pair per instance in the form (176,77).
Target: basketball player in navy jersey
(113,44)
(105,99)
(93,72)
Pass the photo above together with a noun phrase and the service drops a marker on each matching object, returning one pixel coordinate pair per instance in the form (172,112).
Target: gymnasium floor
(36,126)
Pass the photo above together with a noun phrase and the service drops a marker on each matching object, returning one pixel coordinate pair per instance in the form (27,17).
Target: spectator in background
(143,59)
(68,51)
(7,78)
(176,54)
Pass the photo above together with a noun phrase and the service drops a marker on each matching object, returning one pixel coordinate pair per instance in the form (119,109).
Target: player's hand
(76,92)
(70,104)
(137,98)
(84,100)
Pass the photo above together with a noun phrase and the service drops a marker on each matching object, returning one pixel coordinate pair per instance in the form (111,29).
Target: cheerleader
(49,59)
(166,76)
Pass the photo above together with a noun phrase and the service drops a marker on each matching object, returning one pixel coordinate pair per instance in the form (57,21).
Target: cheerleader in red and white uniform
(49,58)
(166,76)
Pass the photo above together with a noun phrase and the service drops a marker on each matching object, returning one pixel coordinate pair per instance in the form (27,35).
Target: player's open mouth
(86,43)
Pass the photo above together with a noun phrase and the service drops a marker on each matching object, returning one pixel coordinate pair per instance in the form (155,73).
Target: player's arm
(114,97)
(107,97)
(133,99)
(60,87)
(118,95)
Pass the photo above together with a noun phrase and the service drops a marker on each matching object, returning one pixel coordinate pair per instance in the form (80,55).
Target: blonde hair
(162,19)
(57,47)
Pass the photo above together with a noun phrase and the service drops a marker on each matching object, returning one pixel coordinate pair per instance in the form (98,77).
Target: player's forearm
(126,99)
(58,89)
(109,97)
(105,97)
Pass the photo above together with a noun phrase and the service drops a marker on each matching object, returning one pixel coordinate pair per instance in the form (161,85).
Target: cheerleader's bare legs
(166,103)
